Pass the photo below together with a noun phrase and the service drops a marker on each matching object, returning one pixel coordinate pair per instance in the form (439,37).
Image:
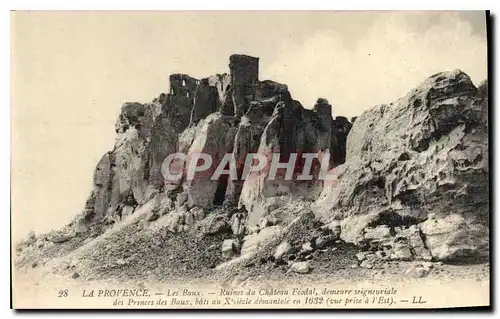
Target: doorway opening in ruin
(220,192)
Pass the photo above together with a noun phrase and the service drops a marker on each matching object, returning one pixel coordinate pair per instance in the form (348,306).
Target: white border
(250,5)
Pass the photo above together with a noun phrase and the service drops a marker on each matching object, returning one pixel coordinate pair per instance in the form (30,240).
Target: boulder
(189,220)
(291,129)
(221,82)
(302,228)
(410,178)
(401,251)
(238,224)
(275,211)
(334,227)
(323,242)
(215,224)
(282,249)
(146,134)
(61,236)
(210,139)
(453,238)
(380,232)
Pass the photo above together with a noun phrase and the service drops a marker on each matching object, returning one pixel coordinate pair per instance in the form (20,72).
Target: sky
(72,71)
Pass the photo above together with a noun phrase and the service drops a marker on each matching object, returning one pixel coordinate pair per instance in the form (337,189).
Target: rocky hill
(409,186)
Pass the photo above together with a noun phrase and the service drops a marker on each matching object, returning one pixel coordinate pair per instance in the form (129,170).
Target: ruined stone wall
(412,185)
(224,113)
(206,101)
(244,76)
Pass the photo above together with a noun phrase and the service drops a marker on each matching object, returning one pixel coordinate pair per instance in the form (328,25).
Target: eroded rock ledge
(226,113)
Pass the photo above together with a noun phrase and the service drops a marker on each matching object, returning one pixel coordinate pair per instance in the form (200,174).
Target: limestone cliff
(229,113)
(422,159)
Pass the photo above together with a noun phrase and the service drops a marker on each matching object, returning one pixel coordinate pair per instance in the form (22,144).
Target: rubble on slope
(410,188)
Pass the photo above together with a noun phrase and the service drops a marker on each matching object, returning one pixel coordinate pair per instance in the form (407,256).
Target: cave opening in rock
(220,192)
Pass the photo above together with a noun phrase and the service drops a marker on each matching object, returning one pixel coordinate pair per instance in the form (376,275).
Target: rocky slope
(410,185)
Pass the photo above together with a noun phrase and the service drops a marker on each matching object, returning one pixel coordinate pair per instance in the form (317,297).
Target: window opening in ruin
(183,82)
(187,94)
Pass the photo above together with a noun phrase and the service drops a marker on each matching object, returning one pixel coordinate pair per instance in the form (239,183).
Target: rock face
(300,267)
(410,184)
(210,138)
(455,238)
(340,128)
(410,179)
(423,156)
